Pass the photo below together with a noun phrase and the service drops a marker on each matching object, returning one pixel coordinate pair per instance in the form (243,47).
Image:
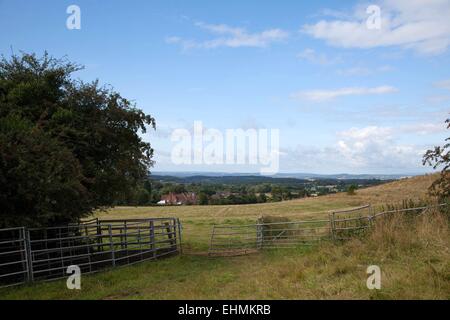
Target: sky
(348,90)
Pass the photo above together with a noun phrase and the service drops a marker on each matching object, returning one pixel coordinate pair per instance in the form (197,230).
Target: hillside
(413,257)
(392,192)
(198,220)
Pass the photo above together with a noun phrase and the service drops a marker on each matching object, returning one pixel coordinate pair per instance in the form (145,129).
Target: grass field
(414,257)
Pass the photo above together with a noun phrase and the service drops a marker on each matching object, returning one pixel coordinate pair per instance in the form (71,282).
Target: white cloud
(326,95)
(421,25)
(375,146)
(373,132)
(365,149)
(357,149)
(227,36)
(312,56)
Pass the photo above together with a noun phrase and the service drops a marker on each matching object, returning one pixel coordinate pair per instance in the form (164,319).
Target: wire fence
(33,254)
(345,224)
(230,240)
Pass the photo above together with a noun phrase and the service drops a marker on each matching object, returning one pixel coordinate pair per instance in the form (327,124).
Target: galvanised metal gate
(242,239)
(229,240)
(45,253)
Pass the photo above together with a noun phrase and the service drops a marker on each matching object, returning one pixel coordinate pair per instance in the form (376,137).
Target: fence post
(111,245)
(175,235)
(332,226)
(126,235)
(152,238)
(23,254)
(99,237)
(139,239)
(370,216)
(27,243)
(179,234)
(259,235)
(170,234)
(335,231)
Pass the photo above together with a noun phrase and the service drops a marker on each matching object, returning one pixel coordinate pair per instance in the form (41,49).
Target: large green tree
(66,147)
(439,157)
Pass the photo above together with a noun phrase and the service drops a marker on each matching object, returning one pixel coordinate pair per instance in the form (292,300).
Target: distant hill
(231,179)
(414,188)
(344,176)
(305,176)
(257,179)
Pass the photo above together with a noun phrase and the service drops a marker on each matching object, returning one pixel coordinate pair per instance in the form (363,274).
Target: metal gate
(340,225)
(242,239)
(45,253)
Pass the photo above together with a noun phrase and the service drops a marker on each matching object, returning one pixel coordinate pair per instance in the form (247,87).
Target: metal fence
(242,239)
(34,254)
(228,240)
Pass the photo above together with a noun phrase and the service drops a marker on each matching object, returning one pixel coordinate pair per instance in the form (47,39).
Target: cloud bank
(420,25)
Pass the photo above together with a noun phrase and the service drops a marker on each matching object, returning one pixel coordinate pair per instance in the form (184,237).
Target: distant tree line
(239,191)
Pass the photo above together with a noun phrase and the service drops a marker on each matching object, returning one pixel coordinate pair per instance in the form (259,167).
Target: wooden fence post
(259,235)
(175,234)
(169,234)
(332,226)
(370,216)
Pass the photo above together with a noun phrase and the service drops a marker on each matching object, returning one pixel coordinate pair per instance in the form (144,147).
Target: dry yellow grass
(394,192)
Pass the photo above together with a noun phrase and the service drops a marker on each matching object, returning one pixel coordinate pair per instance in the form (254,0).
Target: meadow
(413,255)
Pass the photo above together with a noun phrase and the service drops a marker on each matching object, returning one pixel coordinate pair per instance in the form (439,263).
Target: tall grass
(411,231)
(413,252)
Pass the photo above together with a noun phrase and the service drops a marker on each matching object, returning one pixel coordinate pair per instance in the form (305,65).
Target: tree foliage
(66,147)
(351,191)
(440,157)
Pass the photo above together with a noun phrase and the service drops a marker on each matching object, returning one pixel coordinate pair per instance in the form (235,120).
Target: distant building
(178,198)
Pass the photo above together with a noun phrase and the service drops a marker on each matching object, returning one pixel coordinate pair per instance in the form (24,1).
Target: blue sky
(345,98)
